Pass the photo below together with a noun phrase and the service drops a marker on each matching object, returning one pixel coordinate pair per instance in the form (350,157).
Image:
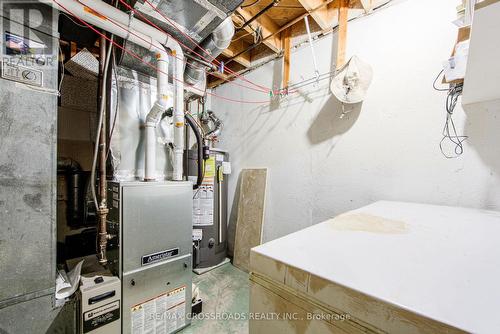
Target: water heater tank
(209,210)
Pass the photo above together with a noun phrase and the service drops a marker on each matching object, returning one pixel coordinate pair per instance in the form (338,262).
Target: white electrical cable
(316,71)
(50,91)
(62,72)
(71,19)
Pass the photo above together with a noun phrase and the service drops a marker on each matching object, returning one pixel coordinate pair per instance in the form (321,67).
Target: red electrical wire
(148,64)
(174,24)
(131,32)
(154,25)
(261,88)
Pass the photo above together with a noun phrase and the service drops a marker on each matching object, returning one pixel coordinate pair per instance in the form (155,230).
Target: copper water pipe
(103,209)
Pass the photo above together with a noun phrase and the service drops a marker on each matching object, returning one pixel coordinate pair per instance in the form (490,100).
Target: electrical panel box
(99,305)
(151,253)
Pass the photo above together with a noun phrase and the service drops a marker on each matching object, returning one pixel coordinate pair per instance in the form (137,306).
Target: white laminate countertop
(440,262)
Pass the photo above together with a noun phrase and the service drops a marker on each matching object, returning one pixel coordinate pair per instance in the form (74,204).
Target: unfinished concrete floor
(224,292)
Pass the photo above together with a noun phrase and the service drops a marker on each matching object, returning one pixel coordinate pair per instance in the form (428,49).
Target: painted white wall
(320,165)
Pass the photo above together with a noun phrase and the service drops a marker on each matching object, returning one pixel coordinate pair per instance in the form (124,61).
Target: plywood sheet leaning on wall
(250,215)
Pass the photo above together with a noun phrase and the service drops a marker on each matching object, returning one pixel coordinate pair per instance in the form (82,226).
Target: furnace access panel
(152,253)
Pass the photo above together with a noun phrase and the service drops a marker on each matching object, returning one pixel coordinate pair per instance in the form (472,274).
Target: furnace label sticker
(203,197)
(101,316)
(197,234)
(203,205)
(209,168)
(163,314)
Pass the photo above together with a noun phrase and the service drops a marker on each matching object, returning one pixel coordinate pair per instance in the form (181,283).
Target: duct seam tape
(93,12)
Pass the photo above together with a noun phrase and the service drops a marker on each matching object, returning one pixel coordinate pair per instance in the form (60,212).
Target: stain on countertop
(362,222)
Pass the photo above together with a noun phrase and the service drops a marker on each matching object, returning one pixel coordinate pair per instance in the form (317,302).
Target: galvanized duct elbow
(214,44)
(217,125)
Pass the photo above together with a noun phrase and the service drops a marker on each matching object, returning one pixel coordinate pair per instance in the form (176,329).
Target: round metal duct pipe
(214,44)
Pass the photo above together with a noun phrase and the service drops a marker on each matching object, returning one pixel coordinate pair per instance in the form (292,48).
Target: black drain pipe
(199,141)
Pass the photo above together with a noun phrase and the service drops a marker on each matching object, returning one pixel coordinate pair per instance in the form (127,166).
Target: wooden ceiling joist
(286,36)
(342,34)
(235,48)
(367,5)
(222,77)
(280,22)
(269,27)
(322,16)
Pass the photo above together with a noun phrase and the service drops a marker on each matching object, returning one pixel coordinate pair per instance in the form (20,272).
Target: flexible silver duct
(214,44)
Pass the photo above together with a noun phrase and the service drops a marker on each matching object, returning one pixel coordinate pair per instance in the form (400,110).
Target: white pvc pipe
(151,39)
(132,23)
(153,118)
(90,10)
(119,16)
(178,123)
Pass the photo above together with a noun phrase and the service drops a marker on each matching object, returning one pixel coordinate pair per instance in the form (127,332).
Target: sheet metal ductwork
(214,44)
(217,33)
(195,18)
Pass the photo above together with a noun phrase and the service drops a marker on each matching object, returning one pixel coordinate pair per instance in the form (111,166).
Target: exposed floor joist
(269,27)
(234,49)
(243,53)
(222,77)
(322,15)
(286,37)
(367,5)
(342,34)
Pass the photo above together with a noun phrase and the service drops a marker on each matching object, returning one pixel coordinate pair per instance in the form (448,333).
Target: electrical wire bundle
(450,133)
